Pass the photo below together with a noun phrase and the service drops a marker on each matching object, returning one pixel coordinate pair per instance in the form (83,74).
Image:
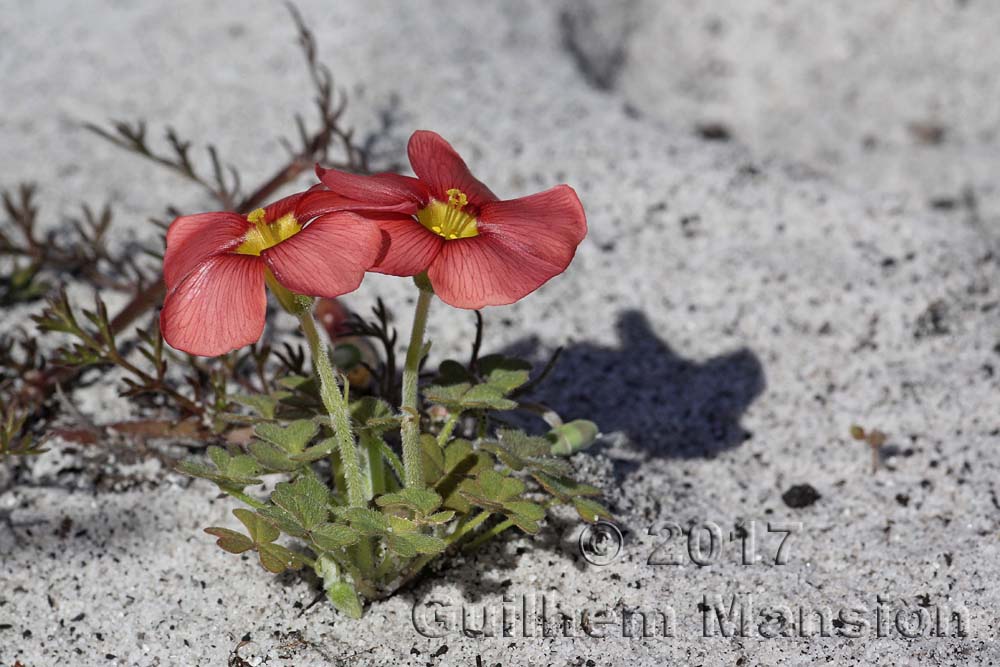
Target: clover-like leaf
(590,510)
(261,530)
(299,506)
(564,488)
(491,490)
(230,540)
(293,437)
(520,451)
(438,517)
(366,521)
(450,372)
(231,472)
(342,595)
(465,396)
(272,457)
(262,404)
(318,451)
(504,373)
(262,534)
(421,501)
(408,545)
(332,536)
(526,509)
(374,414)
(276,558)
(445,467)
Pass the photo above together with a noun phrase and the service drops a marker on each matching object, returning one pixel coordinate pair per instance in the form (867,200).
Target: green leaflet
(421,501)
(293,437)
(374,414)
(262,534)
(504,373)
(299,506)
(332,536)
(231,472)
(341,594)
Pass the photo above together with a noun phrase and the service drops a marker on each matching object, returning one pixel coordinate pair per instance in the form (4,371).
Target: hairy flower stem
(410,429)
(336,405)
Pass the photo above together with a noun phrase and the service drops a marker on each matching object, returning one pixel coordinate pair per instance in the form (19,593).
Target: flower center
(264,234)
(447,219)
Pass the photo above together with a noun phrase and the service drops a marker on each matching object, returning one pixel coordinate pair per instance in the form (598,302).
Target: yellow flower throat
(447,219)
(264,235)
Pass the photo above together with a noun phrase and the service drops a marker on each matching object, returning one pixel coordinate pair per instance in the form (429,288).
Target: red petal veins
(437,164)
(484,271)
(194,239)
(411,246)
(328,257)
(376,192)
(217,308)
(548,225)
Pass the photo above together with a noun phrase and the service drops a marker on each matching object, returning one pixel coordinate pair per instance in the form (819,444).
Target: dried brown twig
(222,182)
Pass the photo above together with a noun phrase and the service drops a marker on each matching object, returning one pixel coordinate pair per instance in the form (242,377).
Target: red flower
(476,249)
(216,263)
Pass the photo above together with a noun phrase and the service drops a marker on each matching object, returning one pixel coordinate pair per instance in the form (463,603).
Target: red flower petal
(217,308)
(522,243)
(482,271)
(437,164)
(282,207)
(548,225)
(328,257)
(193,239)
(376,192)
(411,248)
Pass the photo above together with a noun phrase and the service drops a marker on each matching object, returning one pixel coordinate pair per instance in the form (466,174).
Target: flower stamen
(449,219)
(264,234)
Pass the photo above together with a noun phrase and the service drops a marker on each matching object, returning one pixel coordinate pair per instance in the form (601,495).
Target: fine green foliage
(481,477)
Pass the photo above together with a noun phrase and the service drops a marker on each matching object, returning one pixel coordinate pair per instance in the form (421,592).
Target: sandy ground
(758,277)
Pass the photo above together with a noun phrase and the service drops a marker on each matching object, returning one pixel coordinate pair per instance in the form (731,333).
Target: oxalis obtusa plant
(384,472)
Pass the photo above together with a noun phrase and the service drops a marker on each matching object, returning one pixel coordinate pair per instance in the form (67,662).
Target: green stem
(252,502)
(336,406)
(488,535)
(410,428)
(447,429)
(467,527)
(376,467)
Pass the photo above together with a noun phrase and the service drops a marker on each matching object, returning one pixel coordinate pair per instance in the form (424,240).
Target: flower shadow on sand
(666,405)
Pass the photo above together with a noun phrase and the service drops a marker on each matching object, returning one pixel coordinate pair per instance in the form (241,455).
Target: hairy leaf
(231,472)
(320,450)
(367,521)
(331,536)
(305,502)
(504,373)
(341,594)
(422,501)
(374,414)
(590,510)
(293,438)
(276,558)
